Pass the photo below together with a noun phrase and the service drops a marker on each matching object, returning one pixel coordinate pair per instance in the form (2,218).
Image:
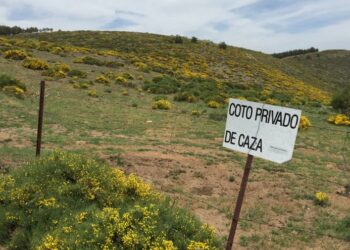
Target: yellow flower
(92,93)
(194,245)
(51,202)
(35,64)
(213,104)
(102,79)
(67,229)
(130,239)
(339,119)
(15,54)
(304,122)
(81,217)
(161,104)
(321,198)
(50,243)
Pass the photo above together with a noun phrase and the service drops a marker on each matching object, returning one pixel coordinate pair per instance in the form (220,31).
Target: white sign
(262,130)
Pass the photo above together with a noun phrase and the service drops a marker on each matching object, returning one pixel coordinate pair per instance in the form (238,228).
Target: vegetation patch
(304,122)
(162,85)
(35,64)
(341,101)
(339,119)
(161,104)
(15,54)
(12,86)
(77,73)
(64,201)
(95,61)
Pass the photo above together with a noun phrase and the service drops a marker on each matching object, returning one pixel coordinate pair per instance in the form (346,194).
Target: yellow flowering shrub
(62,67)
(120,80)
(304,122)
(50,202)
(339,119)
(50,243)
(141,66)
(13,90)
(213,104)
(15,54)
(194,245)
(161,104)
(321,198)
(54,74)
(108,53)
(272,101)
(92,93)
(35,64)
(195,113)
(102,79)
(56,50)
(86,205)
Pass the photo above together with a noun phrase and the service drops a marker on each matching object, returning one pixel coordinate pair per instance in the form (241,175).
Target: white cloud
(198,18)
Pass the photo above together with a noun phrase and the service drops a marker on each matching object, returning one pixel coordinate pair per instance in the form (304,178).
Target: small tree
(341,101)
(178,39)
(222,45)
(194,39)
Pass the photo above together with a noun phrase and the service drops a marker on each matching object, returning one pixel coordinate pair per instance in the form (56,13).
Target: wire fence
(173,122)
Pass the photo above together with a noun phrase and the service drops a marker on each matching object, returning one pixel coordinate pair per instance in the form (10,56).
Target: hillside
(155,106)
(201,60)
(329,68)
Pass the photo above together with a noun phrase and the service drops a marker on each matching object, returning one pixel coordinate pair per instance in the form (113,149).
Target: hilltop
(155,107)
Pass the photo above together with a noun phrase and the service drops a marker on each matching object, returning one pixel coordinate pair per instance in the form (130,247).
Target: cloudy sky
(264,25)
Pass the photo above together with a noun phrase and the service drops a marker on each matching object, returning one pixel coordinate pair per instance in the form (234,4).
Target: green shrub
(95,61)
(162,85)
(222,45)
(341,101)
(194,39)
(68,202)
(92,61)
(178,39)
(160,97)
(6,80)
(185,97)
(77,73)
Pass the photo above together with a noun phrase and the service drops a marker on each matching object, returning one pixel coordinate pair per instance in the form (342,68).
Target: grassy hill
(155,106)
(329,68)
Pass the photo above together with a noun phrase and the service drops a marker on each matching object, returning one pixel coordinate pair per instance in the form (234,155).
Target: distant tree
(222,45)
(16,30)
(7,30)
(294,52)
(341,100)
(31,30)
(178,39)
(194,39)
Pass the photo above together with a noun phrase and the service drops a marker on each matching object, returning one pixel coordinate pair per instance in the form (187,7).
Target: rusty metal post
(40,117)
(239,202)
